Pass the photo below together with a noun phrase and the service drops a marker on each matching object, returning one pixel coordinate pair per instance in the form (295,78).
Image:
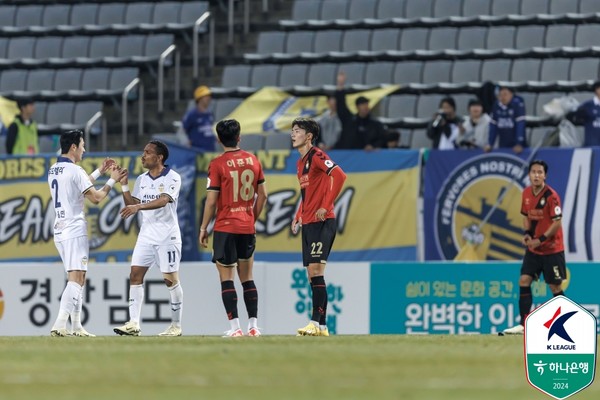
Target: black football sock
(561,293)
(229,296)
(250,298)
(319,298)
(525,302)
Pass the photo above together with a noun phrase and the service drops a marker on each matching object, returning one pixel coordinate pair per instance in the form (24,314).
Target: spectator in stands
(198,122)
(331,126)
(392,139)
(588,115)
(443,129)
(508,122)
(474,131)
(22,137)
(359,131)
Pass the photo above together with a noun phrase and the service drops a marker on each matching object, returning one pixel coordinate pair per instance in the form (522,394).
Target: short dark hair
(596,85)
(228,131)
(474,102)
(161,149)
(24,102)
(310,126)
(69,138)
(361,100)
(450,101)
(501,87)
(539,162)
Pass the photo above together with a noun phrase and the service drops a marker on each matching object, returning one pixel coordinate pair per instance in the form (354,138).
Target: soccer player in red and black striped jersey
(321,181)
(543,238)
(236,191)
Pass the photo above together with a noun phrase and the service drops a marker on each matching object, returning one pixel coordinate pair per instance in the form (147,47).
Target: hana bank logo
(556,327)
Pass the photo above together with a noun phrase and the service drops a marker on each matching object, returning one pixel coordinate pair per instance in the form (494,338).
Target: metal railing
(88,129)
(124,116)
(161,75)
(196,42)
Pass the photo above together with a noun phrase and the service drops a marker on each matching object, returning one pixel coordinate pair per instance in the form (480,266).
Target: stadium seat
(391,9)
(506,7)
(531,7)
(236,75)
(95,78)
(495,70)
(476,7)
(379,72)
(28,15)
(188,14)
(334,9)
(322,74)
(356,39)
(584,68)
(418,8)
(156,44)
(587,35)
(76,46)
(48,47)
(68,79)
(139,13)
(58,113)
(3,47)
(327,40)
(414,39)
(446,8)
(306,9)
(355,72)
(500,37)
(436,71)
(545,98)
(529,36)
(293,74)
(252,141)
(46,144)
(559,35)
(103,46)
(361,9)
(427,105)
(401,106)
(166,12)
(462,102)
(121,77)
(525,70)
(589,6)
(420,139)
(83,14)
(40,79)
(264,75)
(111,13)
(471,38)
(442,38)
(529,99)
(408,72)
(84,111)
(555,69)
(223,107)
(278,141)
(271,42)
(384,39)
(7,15)
(466,71)
(56,15)
(299,41)
(20,47)
(564,6)
(12,80)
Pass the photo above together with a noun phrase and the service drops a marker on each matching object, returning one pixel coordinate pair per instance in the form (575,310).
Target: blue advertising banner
(461,187)
(463,298)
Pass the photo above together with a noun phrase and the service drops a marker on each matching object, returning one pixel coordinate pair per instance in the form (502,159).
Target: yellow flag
(8,111)
(271,109)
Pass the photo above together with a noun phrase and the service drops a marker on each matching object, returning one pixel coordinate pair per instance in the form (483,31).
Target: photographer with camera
(444,129)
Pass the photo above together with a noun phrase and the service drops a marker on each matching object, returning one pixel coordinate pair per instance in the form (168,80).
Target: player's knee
(168,282)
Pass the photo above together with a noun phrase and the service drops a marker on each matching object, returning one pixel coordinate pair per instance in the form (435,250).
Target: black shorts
(317,239)
(552,265)
(228,248)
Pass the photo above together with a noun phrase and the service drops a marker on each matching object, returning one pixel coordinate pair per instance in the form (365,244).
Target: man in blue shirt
(198,122)
(588,115)
(508,121)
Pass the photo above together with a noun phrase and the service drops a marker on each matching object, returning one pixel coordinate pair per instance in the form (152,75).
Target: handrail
(196,43)
(247,17)
(135,82)
(88,128)
(161,75)
(265,6)
(230,23)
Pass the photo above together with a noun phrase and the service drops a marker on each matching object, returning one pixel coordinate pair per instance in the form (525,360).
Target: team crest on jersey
(543,202)
(161,188)
(469,194)
(84,261)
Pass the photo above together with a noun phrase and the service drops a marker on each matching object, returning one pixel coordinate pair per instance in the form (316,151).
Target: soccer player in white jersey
(69,184)
(155,195)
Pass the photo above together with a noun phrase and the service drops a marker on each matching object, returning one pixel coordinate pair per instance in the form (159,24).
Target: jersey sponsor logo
(469,194)
(328,163)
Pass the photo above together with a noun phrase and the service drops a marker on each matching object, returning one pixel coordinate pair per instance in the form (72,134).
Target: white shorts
(74,253)
(166,256)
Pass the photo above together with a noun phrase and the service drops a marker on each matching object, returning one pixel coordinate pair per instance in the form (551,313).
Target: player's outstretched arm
(107,164)
(96,196)
(261,199)
(127,197)
(210,208)
(160,202)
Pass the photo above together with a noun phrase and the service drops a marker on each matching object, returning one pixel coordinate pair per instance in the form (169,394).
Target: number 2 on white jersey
(242,185)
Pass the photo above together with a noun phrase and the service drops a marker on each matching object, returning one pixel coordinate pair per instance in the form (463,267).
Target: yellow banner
(8,111)
(271,109)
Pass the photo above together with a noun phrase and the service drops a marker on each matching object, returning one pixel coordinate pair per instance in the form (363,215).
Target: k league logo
(560,347)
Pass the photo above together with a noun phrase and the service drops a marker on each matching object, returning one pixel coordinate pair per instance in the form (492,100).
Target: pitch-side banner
(376,210)
(462,188)
(27,214)
(271,109)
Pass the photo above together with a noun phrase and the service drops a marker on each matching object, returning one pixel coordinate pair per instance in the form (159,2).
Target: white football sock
(252,323)
(176,293)
(76,315)
(235,324)
(68,300)
(322,327)
(136,299)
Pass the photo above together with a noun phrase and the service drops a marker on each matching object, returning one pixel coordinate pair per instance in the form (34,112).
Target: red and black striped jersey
(542,210)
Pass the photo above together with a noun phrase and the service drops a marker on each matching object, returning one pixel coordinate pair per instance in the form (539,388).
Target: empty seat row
(360,9)
(178,15)
(84,46)
(406,72)
(101,81)
(495,37)
(65,114)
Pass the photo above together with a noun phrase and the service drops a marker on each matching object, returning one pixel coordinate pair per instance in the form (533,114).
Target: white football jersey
(68,183)
(159,226)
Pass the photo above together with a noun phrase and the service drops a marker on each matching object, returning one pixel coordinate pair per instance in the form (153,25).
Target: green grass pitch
(270,367)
